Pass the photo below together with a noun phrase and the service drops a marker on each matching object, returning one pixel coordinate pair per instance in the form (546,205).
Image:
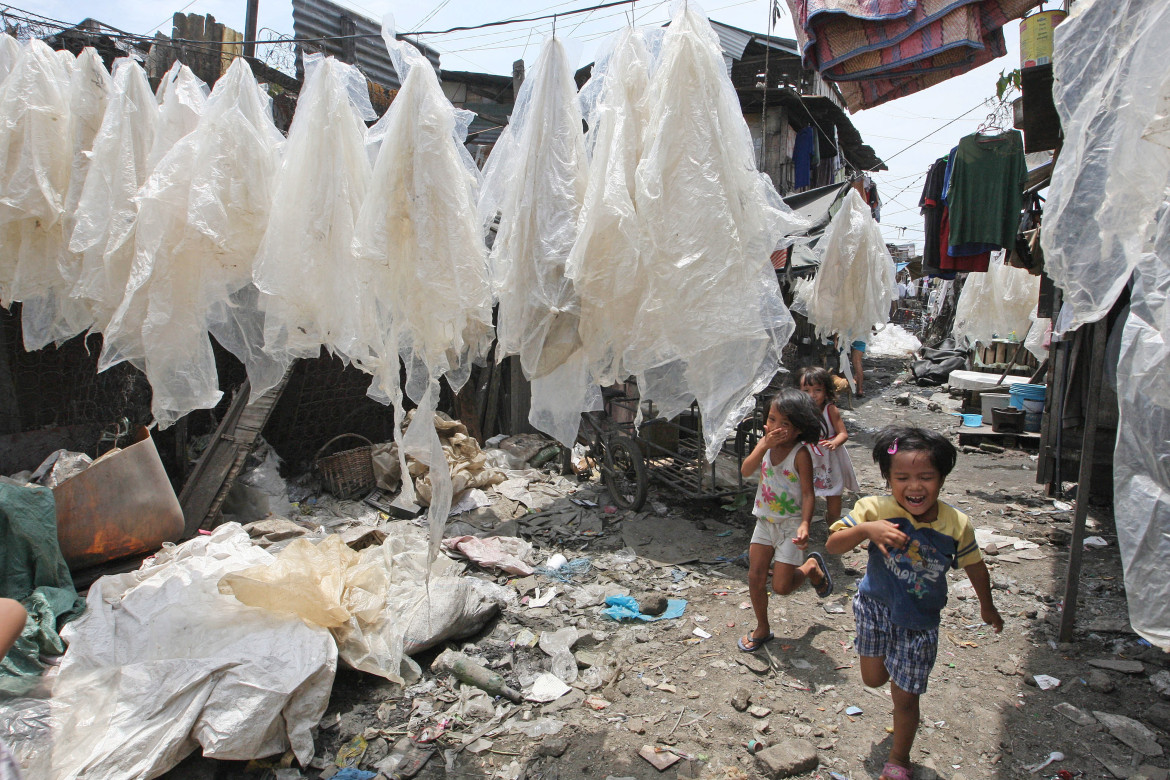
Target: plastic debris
(626,608)
(1054,756)
(547,687)
(853,710)
(1046,682)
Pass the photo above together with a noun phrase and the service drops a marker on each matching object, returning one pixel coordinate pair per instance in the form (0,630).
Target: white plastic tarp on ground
(162,664)
(996,304)
(1107,219)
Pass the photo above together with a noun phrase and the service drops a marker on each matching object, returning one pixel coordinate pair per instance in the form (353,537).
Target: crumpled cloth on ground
(885,49)
(376,602)
(506,553)
(172,666)
(467,462)
(34,573)
(627,608)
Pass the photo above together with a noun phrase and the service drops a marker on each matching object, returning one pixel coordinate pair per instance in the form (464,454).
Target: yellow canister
(1036,37)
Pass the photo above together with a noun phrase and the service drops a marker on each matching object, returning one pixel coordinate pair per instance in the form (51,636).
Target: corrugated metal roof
(321,19)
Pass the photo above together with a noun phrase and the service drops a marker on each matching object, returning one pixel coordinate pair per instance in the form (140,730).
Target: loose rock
(739,699)
(788,758)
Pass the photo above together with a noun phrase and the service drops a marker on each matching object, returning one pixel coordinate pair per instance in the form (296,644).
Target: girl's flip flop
(892,771)
(826,586)
(752,644)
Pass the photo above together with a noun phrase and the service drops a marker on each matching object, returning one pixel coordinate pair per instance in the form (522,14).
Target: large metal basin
(121,506)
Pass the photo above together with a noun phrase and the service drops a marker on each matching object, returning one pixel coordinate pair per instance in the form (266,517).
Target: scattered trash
(547,687)
(542,599)
(555,561)
(468,671)
(1054,756)
(1046,682)
(626,608)
(701,633)
(658,757)
(1095,542)
(506,553)
(722,534)
(653,605)
(851,711)
(1077,716)
(350,754)
(1062,506)
(834,607)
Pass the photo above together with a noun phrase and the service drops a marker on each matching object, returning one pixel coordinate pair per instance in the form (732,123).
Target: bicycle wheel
(625,473)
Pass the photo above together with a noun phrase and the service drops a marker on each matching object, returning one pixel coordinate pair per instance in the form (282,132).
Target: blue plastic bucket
(972,420)
(1029,398)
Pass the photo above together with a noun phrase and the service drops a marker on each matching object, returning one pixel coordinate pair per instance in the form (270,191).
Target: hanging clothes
(931,206)
(885,49)
(985,191)
(802,154)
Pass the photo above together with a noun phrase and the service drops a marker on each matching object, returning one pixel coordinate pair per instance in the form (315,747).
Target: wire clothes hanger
(998,121)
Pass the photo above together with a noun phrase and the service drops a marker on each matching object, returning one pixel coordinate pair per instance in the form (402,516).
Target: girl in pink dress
(832,470)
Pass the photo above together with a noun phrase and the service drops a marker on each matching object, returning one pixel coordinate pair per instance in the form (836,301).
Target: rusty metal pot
(122,505)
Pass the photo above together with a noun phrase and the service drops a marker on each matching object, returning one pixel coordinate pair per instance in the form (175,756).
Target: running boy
(913,539)
(783,509)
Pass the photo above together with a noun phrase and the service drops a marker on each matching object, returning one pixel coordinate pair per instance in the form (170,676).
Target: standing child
(832,469)
(783,510)
(913,539)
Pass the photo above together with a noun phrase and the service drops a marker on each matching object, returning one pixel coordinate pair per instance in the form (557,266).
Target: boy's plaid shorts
(908,654)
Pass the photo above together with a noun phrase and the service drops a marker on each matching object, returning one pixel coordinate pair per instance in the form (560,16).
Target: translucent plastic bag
(419,236)
(854,285)
(202,214)
(102,234)
(9,54)
(49,314)
(1110,87)
(35,166)
(181,97)
(998,303)
(711,324)
(535,182)
(606,263)
(309,241)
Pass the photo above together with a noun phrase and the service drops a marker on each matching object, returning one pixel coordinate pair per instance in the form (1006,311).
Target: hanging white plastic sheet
(201,216)
(102,234)
(181,97)
(35,166)
(1107,218)
(996,304)
(535,183)
(308,245)
(711,323)
(9,53)
(854,285)
(419,234)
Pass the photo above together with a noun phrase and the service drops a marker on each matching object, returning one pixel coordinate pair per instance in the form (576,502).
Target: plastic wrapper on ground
(996,304)
(202,214)
(711,323)
(162,664)
(381,604)
(102,234)
(309,241)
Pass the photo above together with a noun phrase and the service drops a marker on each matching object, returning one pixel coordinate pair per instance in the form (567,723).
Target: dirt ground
(982,717)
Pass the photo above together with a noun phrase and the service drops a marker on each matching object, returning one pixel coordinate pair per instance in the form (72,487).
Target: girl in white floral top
(783,509)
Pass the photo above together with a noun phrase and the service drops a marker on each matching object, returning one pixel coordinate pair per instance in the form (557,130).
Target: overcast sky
(888,128)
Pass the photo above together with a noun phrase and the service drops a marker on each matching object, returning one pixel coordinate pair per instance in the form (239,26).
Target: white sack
(201,215)
(711,325)
(315,292)
(419,234)
(535,182)
(997,303)
(102,233)
(162,664)
(35,166)
(854,285)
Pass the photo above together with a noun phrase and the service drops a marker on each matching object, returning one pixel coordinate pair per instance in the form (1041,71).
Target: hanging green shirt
(986,189)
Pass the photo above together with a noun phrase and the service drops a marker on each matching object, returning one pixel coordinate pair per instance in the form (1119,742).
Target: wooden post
(250,28)
(349,45)
(1095,356)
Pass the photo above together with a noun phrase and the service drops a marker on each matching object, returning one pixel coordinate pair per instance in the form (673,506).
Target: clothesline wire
(983,102)
(294,39)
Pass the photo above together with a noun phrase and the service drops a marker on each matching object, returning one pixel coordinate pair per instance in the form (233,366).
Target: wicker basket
(349,473)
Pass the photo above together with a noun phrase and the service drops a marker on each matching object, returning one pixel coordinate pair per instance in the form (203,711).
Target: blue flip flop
(826,587)
(753,644)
